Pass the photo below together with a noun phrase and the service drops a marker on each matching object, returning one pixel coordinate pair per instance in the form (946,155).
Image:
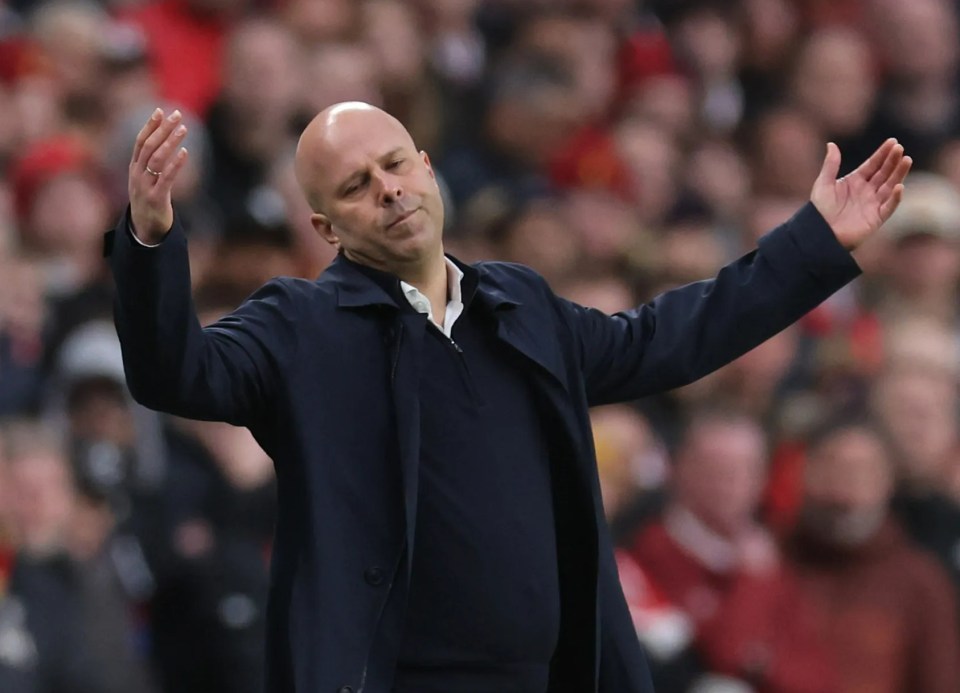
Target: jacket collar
(360,286)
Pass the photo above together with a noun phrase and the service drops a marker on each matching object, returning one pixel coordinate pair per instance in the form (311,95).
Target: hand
(856,205)
(153,168)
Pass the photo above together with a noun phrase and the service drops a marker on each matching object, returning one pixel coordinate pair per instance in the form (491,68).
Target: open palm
(857,205)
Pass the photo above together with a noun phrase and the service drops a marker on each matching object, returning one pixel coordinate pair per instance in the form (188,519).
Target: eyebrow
(359,174)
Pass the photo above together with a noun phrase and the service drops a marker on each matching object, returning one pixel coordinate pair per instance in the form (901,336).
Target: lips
(402,218)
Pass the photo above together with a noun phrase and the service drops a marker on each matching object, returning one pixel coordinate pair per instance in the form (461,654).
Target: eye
(354,188)
(394,164)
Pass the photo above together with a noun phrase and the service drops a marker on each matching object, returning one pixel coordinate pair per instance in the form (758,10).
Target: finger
(896,178)
(889,166)
(870,167)
(159,159)
(890,206)
(157,138)
(903,168)
(152,123)
(831,165)
(169,173)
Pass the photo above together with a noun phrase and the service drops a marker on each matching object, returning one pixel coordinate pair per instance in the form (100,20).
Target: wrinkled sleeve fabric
(688,332)
(230,371)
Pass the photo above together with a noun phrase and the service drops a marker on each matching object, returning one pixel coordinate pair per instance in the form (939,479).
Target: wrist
(149,240)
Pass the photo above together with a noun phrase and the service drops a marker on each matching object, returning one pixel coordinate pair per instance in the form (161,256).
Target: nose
(390,191)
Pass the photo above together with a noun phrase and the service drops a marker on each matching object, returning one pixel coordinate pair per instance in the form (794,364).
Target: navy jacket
(325,373)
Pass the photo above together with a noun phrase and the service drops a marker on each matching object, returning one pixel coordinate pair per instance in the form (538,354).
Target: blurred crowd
(789,524)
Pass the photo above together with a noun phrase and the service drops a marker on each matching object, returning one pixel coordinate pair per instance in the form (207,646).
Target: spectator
(710,557)
(866,577)
(71,632)
(218,513)
(633,468)
(186,32)
(922,259)
(919,102)
(23,313)
(915,399)
(834,83)
(251,120)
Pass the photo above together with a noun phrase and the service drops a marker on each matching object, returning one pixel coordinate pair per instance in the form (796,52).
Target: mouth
(402,218)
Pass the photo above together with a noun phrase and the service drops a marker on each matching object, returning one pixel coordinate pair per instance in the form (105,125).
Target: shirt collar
(454,290)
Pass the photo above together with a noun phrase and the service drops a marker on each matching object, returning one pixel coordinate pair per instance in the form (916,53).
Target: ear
(324,227)
(426,162)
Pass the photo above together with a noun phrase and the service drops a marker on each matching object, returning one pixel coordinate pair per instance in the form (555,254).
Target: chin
(418,239)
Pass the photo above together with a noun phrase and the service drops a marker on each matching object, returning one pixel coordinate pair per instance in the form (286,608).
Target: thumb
(831,165)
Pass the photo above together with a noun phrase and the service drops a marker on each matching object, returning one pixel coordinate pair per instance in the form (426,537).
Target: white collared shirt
(421,303)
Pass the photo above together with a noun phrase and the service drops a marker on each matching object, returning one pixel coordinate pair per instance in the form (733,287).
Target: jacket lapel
(360,288)
(528,332)
(405,366)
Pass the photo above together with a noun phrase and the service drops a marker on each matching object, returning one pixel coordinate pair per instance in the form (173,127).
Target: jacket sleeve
(228,371)
(688,332)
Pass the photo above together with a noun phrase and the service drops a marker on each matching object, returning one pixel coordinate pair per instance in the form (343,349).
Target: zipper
(396,353)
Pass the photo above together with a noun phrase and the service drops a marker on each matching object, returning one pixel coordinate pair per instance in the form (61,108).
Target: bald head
(333,133)
(374,196)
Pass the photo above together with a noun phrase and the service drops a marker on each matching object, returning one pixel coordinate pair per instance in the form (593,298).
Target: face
(847,484)
(629,458)
(923,265)
(786,135)
(261,71)
(41,499)
(80,231)
(376,195)
(916,408)
(342,72)
(720,474)
(834,82)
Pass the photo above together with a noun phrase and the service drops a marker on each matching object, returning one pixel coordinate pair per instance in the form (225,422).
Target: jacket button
(345,689)
(374,576)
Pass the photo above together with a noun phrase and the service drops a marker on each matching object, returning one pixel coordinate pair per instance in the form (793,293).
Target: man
(710,557)
(887,610)
(440,526)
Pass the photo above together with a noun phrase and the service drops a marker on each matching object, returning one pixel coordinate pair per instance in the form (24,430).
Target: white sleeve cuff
(134,234)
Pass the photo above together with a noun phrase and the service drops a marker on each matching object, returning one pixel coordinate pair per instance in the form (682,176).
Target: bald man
(440,525)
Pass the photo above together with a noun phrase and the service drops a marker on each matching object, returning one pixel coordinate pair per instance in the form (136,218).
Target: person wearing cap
(440,525)
(923,253)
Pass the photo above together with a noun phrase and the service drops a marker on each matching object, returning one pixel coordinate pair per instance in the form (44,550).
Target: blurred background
(788,524)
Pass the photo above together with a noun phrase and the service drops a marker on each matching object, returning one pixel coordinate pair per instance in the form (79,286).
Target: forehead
(350,144)
(851,451)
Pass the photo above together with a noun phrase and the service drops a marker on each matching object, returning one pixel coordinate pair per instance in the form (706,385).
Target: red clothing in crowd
(751,625)
(185,49)
(886,612)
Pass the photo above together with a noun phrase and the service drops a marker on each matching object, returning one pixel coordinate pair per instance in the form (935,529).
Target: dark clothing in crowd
(208,615)
(62,630)
(933,521)
(41,630)
(21,375)
(328,375)
(887,612)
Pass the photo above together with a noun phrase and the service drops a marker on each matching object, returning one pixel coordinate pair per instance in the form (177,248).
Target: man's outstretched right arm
(229,371)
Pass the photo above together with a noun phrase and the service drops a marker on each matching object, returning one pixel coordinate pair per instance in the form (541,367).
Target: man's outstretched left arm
(688,332)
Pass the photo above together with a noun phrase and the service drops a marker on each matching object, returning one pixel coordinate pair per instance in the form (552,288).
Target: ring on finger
(153,173)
